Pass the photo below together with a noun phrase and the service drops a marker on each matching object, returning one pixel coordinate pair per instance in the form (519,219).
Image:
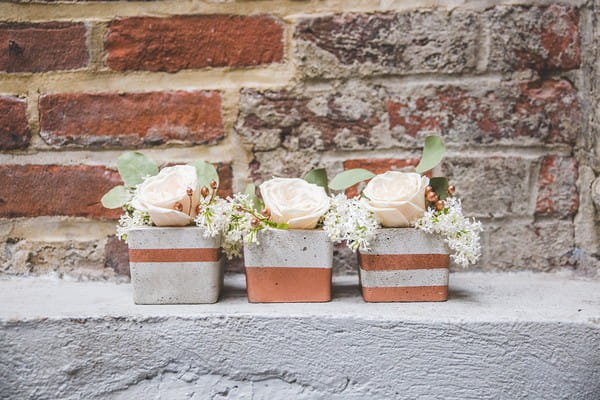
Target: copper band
(174,255)
(407,293)
(387,262)
(288,284)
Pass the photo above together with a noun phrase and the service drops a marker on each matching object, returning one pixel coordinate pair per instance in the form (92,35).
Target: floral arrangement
(174,196)
(182,195)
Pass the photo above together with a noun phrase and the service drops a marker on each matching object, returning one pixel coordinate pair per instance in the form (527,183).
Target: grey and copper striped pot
(404,264)
(174,265)
(289,266)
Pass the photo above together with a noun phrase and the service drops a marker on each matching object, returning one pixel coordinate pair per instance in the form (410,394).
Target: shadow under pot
(174,265)
(289,266)
(404,264)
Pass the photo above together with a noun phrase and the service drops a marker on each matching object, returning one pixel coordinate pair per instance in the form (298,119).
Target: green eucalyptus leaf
(440,186)
(251,192)
(206,172)
(318,177)
(348,178)
(433,153)
(134,167)
(116,197)
(276,225)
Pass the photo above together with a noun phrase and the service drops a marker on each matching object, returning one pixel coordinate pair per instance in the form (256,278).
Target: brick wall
(278,87)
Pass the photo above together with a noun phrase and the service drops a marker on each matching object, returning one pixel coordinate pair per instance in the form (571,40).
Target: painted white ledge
(499,336)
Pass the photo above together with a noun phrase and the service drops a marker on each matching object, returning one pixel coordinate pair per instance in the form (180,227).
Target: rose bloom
(295,202)
(165,196)
(396,198)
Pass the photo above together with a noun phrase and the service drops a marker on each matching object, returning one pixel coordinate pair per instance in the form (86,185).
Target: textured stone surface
(491,187)
(345,117)
(14,128)
(389,43)
(557,190)
(526,113)
(541,38)
(131,119)
(35,190)
(521,335)
(518,245)
(49,46)
(70,259)
(187,42)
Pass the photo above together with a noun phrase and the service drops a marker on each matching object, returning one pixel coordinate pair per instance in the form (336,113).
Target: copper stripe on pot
(174,255)
(288,284)
(412,293)
(384,262)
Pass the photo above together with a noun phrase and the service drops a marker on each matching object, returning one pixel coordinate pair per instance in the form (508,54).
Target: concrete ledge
(499,336)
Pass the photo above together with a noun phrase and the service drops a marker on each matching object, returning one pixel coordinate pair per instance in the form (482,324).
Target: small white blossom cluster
(460,233)
(213,216)
(231,219)
(350,221)
(132,218)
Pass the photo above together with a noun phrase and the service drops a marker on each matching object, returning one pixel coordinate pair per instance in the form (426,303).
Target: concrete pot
(174,266)
(289,266)
(404,264)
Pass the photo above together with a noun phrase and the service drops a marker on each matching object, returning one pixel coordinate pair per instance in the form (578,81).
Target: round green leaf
(116,197)
(134,167)
(433,153)
(206,172)
(440,186)
(318,177)
(348,178)
(251,192)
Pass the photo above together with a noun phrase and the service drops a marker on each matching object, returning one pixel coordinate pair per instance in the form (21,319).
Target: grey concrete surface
(501,336)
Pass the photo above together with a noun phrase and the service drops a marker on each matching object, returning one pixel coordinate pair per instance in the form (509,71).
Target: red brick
(116,256)
(189,42)
(36,190)
(132,119)
(528,113)
(540,38)
(557,190)
(49,46)
(225,179)
(14,128)
(377,166)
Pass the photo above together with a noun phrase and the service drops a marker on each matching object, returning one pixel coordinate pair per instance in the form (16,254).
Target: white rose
(396,198)
(166,196)
(295,202)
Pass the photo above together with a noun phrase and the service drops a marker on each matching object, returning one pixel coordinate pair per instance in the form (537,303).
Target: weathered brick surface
(281,163)
(518,245)
(378,166)
(557,189)
(188,42)
(14,128)
(36,190)
(116,256)
(387,43)
(49,46)
(539,38)
(526,113)
(131,119)
(347,117)
(491,187)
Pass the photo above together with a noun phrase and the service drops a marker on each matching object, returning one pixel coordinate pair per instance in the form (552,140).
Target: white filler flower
(348,220)
(295,202)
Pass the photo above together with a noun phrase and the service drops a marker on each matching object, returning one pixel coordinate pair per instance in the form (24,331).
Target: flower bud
(431,197)
(178,206)
(204,191)
(189,192)
(255,223)
(199,209)
(451,190)
(213,184)
(266,212)
(439,205)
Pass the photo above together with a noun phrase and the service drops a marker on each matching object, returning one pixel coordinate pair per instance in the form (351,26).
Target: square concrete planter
(174,266)
(404,264)
(289,266)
